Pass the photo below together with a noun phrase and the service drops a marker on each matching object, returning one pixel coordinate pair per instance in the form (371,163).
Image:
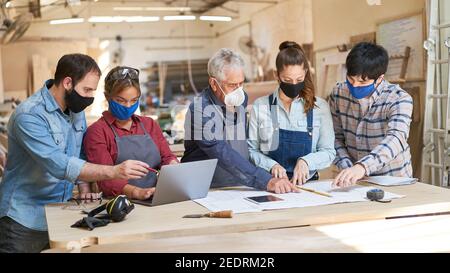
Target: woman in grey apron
(291,131)
(128,136)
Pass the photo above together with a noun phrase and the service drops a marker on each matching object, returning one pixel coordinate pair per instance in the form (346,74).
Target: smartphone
(263,199)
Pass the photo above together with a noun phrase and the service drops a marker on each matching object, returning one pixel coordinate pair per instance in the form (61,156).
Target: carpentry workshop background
(103,158)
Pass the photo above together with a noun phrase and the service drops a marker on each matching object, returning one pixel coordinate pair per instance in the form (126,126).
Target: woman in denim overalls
(291,131)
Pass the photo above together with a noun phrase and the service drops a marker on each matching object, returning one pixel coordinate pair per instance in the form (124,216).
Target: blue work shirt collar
(50,103)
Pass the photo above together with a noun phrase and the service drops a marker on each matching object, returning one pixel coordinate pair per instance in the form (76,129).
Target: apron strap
(113,130)
(143,127)
(309,117)
(116,135)
(273,102)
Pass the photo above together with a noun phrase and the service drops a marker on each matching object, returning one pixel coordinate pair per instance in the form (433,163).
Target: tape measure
(377,195)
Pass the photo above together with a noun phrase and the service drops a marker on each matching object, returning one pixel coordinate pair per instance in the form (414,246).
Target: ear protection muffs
(116,208)
(119,207)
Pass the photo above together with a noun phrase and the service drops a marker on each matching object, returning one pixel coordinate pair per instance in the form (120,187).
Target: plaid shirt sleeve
(342,160)
(395,142)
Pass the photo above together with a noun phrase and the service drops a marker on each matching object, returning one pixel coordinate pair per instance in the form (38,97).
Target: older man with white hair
(216,128)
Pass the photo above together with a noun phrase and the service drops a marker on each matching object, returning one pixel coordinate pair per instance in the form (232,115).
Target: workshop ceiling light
(67,21)
(120,19)
(216,18)
(180,9)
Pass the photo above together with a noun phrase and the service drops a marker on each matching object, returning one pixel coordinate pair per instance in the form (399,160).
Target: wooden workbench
(411,235)
(167,222)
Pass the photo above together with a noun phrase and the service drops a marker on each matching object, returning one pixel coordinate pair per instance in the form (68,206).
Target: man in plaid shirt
(371,119)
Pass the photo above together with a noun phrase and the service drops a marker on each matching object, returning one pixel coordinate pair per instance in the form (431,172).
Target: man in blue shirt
(215,127)
(44,142)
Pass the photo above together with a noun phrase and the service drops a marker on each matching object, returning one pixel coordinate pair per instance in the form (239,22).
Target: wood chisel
(218,214)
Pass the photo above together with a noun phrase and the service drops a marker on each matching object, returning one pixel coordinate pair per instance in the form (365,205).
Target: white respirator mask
(235,98)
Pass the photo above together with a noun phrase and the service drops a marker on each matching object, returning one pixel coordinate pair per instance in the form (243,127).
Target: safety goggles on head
(124,72)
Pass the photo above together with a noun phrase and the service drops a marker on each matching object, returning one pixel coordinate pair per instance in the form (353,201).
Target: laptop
(182,182)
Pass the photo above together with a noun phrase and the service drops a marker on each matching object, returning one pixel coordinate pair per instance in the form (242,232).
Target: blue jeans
(15,238)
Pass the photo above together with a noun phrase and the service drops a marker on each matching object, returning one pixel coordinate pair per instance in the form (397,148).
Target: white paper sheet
(235,199)
(390,180)
(231,200)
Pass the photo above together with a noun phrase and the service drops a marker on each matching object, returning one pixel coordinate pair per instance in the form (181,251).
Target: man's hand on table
(349,177)
(281,185)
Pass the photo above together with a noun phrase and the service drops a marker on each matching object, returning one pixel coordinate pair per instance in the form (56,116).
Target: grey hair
(224,59)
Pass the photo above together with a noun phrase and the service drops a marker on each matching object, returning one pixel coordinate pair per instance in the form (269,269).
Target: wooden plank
(256,90)
(40,72)
(425,234)
(332,67)
(414,92)
(370,37)
(166,221)
(17,57)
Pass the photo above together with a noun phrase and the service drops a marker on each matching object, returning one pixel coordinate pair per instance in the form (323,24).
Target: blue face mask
(362,91)
(122,112)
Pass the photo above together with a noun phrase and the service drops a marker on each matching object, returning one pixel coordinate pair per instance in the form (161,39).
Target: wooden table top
(412,235)
(166,221)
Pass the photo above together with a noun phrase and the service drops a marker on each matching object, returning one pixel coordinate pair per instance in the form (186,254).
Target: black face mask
(77,103)
(292,90)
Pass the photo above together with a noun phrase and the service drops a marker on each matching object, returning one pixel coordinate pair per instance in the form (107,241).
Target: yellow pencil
(316,192)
